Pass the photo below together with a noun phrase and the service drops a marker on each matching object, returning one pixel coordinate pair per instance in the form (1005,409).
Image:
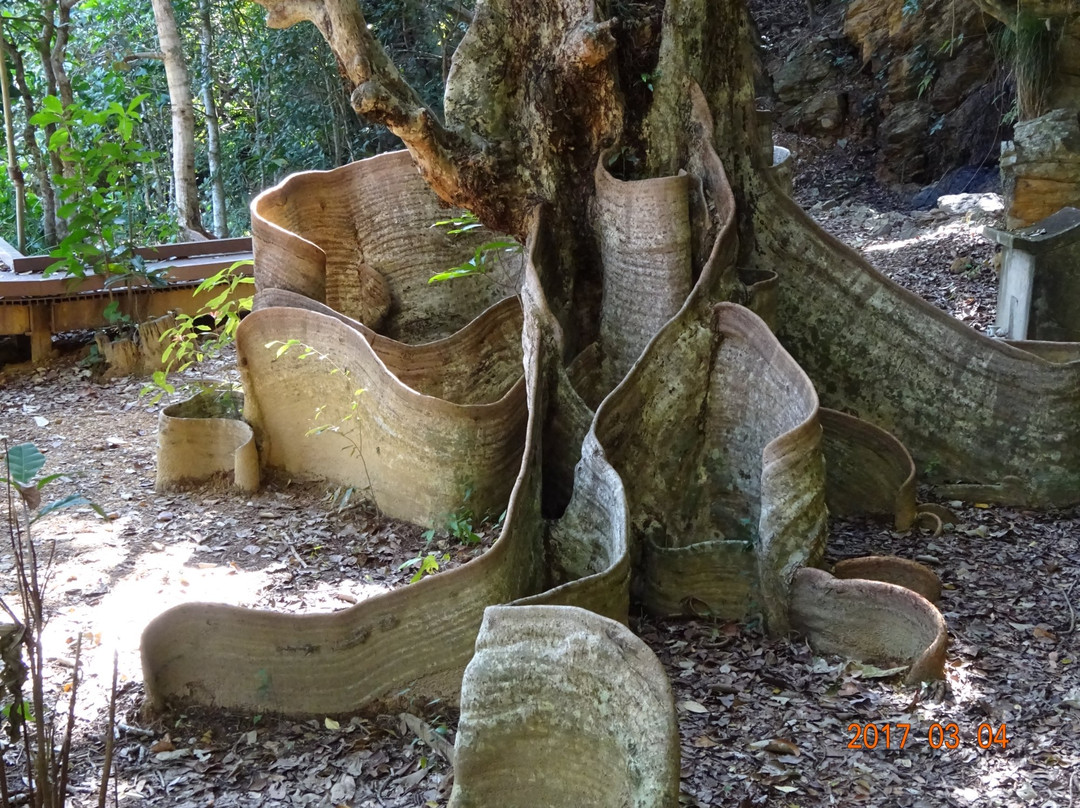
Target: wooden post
(40,333)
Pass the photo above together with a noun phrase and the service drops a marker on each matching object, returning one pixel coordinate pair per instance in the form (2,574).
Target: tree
(213,135)
(185,191)
(671,445)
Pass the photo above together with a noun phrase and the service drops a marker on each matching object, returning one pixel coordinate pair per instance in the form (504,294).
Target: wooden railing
(40,306)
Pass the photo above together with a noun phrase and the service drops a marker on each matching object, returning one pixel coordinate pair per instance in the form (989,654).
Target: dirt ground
(763,721)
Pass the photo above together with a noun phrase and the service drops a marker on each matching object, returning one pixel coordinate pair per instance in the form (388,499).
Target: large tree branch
(381,94)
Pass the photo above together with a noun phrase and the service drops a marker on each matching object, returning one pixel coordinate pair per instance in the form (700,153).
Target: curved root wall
(698,483)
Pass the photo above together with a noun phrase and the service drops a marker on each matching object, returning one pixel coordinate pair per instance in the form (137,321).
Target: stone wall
(1041,167)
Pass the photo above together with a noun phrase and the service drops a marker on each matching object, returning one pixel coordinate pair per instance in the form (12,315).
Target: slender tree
(213,136)
(185,189)
(14,171)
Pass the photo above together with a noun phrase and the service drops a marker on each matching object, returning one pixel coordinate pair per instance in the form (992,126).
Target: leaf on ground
(693,707)
(867,671)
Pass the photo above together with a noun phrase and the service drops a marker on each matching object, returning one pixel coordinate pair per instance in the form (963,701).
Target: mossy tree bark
(669,448)
(541,93)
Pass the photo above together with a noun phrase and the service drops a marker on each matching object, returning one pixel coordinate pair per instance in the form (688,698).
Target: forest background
(91,120)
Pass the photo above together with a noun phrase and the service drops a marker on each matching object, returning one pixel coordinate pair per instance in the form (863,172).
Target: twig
(424,731)
(65,750)
(141,731)
(296,555)
(1068,602)
(110,725)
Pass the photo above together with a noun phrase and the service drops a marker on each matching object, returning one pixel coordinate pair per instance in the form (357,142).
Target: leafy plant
(45,735)
(350,432)
(425,565)
(484,256)
(97,190)
(206,333)
(461,523)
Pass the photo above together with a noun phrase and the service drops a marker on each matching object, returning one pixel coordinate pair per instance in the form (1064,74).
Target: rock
(957,78)
(804,71)
(961,204)
(966,179)
(901,138)
(1041,167)
(821,114)
(940,57)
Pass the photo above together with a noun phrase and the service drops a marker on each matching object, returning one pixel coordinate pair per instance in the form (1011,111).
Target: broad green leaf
(59,138)
(44,481)
(136,102)
(23,462)
(69,501)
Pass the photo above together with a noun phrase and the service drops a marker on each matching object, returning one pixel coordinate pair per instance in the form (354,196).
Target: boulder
(939,56)
(963,180)
(821,114)
(806,69)
(902,142)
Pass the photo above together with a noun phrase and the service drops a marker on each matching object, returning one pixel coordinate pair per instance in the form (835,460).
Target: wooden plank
(14,320)
(182,270)
(160,252)
(189,249)
(8,254)
(41,319)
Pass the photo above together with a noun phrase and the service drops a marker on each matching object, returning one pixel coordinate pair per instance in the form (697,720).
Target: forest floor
(764,721)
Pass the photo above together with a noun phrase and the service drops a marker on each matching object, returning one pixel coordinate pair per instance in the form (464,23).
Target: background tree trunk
(213,139)
(50,224)
(185,190)
(14,171)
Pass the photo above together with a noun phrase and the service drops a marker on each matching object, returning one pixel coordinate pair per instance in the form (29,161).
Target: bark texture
(185,190)
(663,443)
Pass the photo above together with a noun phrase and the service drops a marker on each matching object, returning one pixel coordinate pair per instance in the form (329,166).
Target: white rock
(958,204)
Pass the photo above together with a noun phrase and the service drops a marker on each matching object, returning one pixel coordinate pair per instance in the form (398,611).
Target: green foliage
(926,81)
(485,256)
(28,721)
(193,338)
(348,425)
(426,565)
(463,523)
(1035,43)
(103,165)
(22,463)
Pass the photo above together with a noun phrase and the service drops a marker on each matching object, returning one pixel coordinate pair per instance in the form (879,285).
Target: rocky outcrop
(936,61)
(1041,167)
(917,77)
(806,84)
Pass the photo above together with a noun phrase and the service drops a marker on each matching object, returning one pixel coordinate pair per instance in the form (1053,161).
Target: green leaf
(69,501)
(136,102)
(59,138)
(23,462)
(44,481)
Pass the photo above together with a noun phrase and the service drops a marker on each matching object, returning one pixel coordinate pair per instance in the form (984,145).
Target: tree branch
(147,55)
(381,94)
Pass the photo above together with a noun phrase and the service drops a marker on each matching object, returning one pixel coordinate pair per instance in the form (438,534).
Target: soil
(764,721)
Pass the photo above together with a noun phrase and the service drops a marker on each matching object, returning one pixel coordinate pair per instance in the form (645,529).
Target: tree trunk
(50,224)
(213,137)
(14,171)
(671,448)
(185,190)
